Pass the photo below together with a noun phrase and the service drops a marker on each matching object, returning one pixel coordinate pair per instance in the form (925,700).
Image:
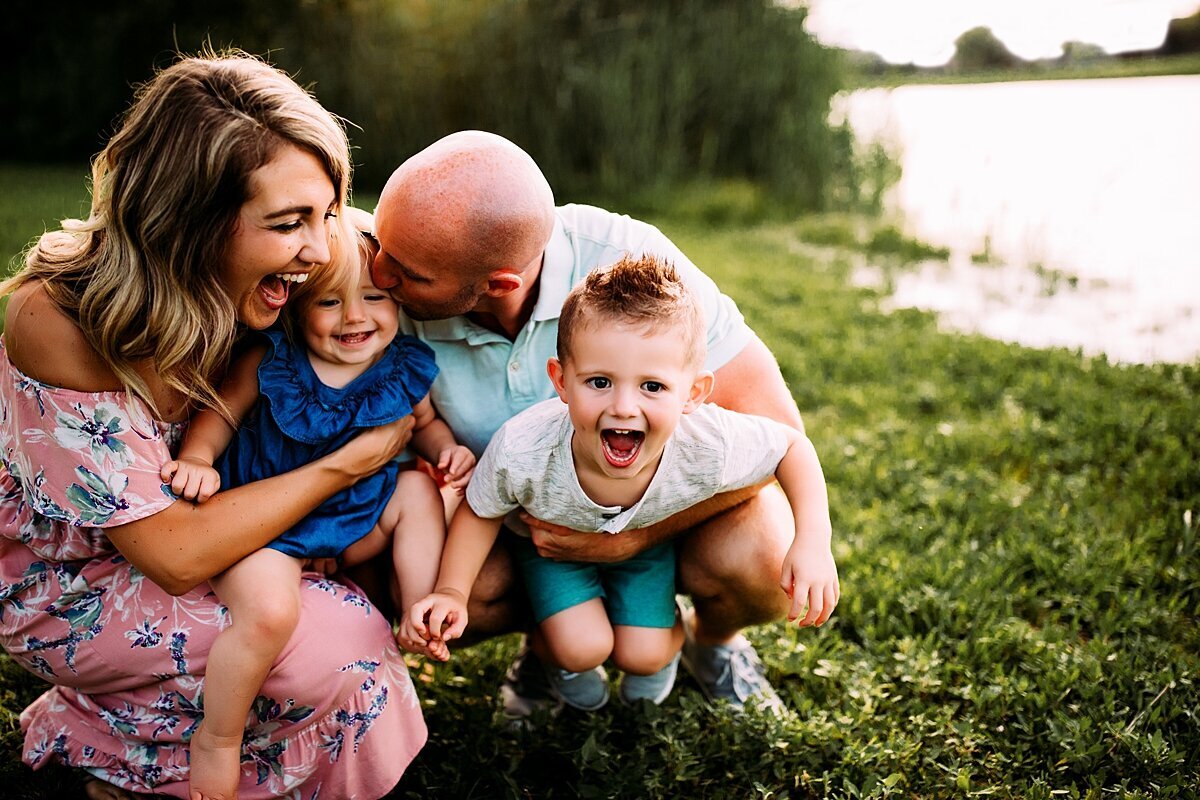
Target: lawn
(1016,532)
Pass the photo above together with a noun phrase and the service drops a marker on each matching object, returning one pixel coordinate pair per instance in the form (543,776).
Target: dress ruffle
(311,412)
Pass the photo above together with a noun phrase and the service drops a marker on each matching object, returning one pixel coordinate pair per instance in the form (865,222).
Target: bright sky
(923,31)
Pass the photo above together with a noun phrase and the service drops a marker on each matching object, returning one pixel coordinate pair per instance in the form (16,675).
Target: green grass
(1016,532)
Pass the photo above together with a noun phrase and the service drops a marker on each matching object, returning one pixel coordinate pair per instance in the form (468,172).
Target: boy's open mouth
(621,447)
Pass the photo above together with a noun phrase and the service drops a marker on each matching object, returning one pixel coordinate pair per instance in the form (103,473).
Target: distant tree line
(608,94)
(979,49)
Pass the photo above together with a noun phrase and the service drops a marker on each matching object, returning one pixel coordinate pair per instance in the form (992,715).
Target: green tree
(979,49)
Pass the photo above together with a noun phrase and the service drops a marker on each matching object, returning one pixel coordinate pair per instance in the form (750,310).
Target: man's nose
(382,274)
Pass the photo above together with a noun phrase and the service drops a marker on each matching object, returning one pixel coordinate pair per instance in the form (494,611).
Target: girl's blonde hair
(141,275)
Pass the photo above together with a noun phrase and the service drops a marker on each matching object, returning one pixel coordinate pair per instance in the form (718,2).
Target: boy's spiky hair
(643,290)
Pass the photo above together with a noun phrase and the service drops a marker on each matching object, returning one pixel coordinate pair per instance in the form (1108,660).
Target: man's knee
(744,545)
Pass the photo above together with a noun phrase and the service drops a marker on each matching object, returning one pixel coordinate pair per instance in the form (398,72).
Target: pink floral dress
(337,717)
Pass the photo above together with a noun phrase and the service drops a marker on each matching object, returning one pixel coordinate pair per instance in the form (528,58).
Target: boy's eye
(598,383)
(375,298)
(327,302)
(653,387)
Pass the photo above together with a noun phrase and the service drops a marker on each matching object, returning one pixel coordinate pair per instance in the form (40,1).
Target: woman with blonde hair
(209,202)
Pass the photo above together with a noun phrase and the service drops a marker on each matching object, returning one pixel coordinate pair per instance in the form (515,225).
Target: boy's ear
(702,387)
(554,369)
(502,282)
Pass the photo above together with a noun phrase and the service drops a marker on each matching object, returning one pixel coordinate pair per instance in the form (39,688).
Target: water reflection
(1086,192)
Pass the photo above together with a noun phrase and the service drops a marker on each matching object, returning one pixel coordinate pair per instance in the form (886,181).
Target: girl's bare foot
(215,766)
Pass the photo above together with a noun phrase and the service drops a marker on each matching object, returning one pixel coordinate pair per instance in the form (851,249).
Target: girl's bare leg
(262,593)
(414,523)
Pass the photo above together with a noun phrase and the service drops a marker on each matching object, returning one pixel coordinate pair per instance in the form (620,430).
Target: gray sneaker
(586,691)
(525,688)
(731,672)
(654,688)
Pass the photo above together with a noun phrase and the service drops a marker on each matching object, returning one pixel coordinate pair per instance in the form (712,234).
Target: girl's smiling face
(280,234)
(348,329)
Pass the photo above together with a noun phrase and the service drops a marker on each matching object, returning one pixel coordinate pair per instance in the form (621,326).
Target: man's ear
(554,369)
(702,387)
(502,282)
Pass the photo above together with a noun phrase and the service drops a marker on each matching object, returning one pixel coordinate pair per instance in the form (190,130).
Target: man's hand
(565,544)
(191,478)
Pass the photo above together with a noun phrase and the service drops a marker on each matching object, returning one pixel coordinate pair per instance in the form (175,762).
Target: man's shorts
(638,592)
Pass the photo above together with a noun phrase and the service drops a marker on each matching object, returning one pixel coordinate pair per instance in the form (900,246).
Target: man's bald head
(476,197)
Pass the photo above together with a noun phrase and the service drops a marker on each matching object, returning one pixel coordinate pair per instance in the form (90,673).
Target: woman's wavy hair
(142,274)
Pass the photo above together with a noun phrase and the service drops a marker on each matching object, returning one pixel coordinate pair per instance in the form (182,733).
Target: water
(1085,195)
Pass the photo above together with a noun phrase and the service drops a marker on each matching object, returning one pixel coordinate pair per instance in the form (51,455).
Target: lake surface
(1085,195)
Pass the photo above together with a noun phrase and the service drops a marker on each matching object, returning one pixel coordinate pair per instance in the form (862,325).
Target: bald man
(480,260)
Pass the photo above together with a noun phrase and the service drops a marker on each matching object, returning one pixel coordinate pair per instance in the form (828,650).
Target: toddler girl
(339,368)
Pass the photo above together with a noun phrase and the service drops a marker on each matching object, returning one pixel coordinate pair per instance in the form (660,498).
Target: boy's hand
(411,640)
(191,478)
(457,463)
(433,621)
(810,578)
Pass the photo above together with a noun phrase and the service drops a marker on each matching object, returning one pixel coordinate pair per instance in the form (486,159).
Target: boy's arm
(809,575)
(442,615)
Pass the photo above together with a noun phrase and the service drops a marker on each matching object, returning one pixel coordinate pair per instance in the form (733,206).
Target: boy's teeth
(294,277)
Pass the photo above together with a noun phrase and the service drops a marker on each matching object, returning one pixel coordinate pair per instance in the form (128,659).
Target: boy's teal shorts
(638,592)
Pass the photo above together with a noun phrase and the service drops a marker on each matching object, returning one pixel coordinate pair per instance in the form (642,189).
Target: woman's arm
(184,545)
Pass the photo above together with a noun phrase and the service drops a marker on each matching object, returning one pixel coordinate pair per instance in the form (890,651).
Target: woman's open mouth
(621,446)
(274,288)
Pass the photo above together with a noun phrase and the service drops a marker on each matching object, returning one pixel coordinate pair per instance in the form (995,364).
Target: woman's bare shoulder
(48,346)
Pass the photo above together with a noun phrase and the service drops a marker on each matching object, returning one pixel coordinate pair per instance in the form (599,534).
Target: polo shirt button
(515,366)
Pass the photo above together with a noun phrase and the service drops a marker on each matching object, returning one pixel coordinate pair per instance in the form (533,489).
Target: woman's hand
(372,449)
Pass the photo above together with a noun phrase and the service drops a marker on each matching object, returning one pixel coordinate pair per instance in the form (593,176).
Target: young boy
(633,444)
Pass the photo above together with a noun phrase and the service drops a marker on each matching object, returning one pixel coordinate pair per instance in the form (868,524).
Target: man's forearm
(692,516)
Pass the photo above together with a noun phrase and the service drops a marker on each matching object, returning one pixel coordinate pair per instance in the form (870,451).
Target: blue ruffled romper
(298,419)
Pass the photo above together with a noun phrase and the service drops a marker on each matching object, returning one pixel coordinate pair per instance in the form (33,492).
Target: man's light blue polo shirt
(485,379)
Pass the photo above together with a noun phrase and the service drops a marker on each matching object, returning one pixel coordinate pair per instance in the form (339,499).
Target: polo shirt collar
(558,266)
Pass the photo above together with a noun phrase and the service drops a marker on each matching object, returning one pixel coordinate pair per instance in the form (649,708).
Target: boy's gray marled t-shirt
(528,465)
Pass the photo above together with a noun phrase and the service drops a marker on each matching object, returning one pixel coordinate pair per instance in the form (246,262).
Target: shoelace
(744,672)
